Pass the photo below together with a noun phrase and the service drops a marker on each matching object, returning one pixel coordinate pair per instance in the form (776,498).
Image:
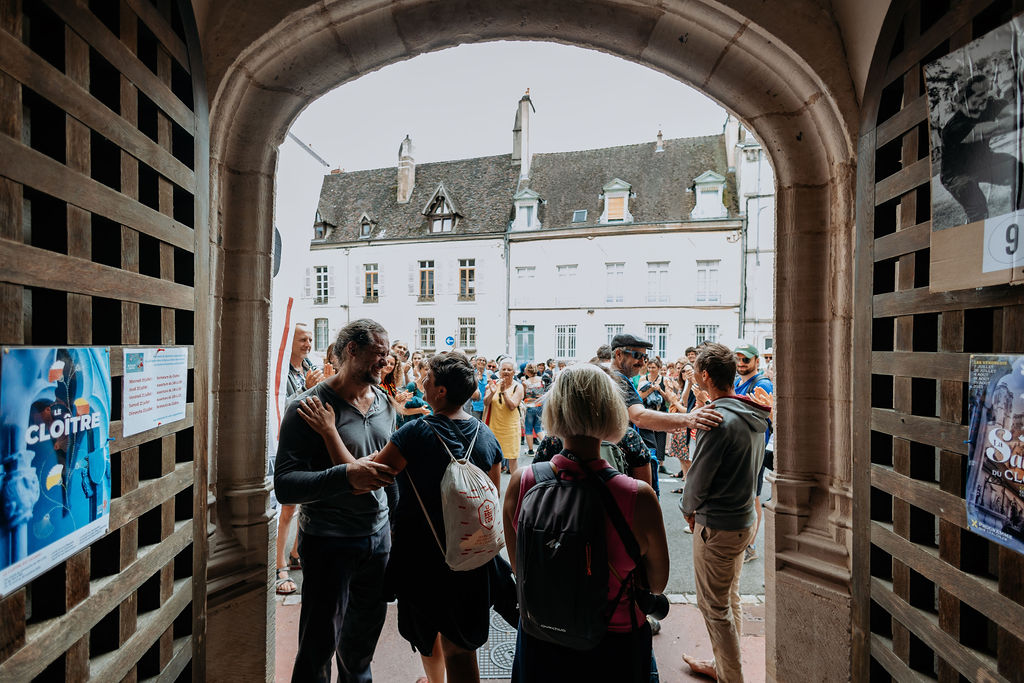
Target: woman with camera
(584,408)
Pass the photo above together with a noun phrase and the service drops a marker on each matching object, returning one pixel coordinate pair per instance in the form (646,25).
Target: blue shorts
(533,426)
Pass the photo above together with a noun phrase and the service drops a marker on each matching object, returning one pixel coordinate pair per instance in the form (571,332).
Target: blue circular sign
(450,341)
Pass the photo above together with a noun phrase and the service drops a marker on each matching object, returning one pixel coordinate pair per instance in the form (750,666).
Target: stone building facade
(550,255)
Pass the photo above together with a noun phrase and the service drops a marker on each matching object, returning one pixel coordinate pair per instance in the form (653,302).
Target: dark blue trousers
(343,606)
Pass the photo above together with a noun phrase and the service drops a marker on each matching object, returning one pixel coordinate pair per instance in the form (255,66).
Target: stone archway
(783,75)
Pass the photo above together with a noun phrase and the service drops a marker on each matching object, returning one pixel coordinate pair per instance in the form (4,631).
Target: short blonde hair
(585,401)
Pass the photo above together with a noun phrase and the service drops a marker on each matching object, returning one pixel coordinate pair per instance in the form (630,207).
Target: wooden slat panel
(976,666)
(122,59)
(156,23)
(114,665)
(927,430)
(903,241)
(921,300)
(944,366)
(959,14)
(922,494)
(120,443)
(35,267)
(148,495)
(29,167)
(27,67)
(47,640)
(902,181)
(912,113)
(881,649)
(980,593)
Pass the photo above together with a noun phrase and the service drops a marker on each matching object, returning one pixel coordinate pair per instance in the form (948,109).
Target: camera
(654,604)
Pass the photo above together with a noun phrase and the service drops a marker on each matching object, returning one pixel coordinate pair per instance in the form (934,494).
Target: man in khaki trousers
(718,503)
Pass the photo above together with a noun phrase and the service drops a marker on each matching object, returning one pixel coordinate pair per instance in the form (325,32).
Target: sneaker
(655,625)
(750,554)
(687,529)
(529,452)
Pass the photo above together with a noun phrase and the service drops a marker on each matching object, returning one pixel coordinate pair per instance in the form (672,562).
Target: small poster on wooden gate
(155,383)
(995,467)
(975,122)
(55,454)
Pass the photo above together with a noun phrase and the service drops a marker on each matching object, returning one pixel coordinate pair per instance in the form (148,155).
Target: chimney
(732,138)
(660,147)
(406,171)
(521,136)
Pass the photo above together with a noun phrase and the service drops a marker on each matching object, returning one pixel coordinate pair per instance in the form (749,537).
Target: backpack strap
(424,508)
(468,450)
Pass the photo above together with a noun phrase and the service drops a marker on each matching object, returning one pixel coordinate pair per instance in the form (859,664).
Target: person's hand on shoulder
(318,415)
(705,417)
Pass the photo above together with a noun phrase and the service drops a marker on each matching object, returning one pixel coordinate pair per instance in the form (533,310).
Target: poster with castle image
(995,469)
(54,457)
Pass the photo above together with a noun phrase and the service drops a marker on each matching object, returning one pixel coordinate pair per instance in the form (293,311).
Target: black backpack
(562,558)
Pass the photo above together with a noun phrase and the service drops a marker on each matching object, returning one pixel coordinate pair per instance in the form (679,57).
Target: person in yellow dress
(502,399)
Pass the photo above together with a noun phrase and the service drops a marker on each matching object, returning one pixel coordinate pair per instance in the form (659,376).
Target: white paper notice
(155,382)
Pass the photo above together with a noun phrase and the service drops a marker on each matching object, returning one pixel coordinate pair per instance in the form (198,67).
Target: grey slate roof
(482,189)
(569,181)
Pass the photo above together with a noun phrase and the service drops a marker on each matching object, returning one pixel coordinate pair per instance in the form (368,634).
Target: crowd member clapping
(502,399)
(585,407)
(533,398)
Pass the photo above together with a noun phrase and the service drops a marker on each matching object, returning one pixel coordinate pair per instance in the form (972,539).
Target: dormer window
(441,211)
(319,227)
(709,188)
(616,195)
(527,203)
(365,227)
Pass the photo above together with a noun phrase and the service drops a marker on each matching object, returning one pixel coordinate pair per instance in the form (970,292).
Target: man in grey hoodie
(718,503)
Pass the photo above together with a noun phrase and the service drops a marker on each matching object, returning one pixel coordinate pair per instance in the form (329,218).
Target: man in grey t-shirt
(344,538)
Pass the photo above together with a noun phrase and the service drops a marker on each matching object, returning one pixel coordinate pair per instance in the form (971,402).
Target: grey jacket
(721,481)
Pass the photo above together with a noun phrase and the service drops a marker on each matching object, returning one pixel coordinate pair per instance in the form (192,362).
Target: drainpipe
(743,249)
(348,286)
(508,289)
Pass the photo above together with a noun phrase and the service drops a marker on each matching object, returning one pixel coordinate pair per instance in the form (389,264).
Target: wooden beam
(149,494)
(161,28)
(940,366)
(29,167)
(904,241)
(34,267)
(913,112)
(926,430)
(921,300)
(120,443)
(902,181)
(922,494)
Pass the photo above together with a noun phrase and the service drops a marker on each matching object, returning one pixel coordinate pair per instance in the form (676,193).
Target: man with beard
(344,538)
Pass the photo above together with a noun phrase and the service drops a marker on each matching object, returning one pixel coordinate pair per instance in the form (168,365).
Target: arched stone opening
(797,96)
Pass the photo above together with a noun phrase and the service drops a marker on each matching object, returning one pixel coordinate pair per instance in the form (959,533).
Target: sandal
(678,490)
(679,475)
(282,584)
(294,562)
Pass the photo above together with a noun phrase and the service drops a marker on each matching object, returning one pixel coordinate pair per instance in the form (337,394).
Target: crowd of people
(364,449)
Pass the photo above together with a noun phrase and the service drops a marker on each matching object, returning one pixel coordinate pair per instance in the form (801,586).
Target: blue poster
(55,477)
(995,467)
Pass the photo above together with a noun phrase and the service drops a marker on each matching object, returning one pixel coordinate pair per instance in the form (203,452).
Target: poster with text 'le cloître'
(55,457)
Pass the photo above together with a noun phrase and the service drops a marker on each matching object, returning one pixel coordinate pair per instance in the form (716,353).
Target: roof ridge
(629,146)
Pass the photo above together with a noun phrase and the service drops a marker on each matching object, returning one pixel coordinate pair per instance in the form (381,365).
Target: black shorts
(456,606)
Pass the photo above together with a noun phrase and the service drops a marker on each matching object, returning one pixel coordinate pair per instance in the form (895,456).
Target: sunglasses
(639,355)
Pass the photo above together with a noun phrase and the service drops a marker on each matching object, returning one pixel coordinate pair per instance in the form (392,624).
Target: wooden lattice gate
(103,221)
(934,601)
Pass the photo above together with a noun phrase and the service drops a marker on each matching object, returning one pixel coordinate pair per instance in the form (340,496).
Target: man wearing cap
(629,355)
(752,383)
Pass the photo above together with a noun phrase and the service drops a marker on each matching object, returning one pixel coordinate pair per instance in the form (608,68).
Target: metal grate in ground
(495,657)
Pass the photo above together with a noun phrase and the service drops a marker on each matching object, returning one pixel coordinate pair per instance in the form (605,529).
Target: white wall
(397,308)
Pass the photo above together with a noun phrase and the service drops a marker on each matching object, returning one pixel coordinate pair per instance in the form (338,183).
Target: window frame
(615,282)
(708,289)
(441,215)
(427,287)
(371,283)
(321,285)
(612,329)
(321,334)
(565,342)
(427,334)
(701,330)
(657,334)
(658,274)
(467,279)
(467,334)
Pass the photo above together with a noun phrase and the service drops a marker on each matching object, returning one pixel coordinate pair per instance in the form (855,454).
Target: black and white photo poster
(977,188)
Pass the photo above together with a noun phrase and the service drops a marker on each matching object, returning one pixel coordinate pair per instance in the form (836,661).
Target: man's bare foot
(704,667)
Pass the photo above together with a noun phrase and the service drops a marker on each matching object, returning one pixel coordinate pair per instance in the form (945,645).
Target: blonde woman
(503,398)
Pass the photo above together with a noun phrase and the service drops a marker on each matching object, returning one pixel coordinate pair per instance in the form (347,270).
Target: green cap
(748,350)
